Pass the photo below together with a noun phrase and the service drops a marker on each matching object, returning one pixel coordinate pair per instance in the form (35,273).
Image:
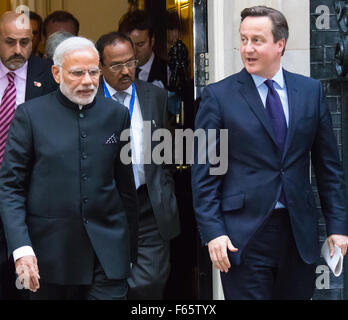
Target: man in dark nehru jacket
(60,181)
(22,77)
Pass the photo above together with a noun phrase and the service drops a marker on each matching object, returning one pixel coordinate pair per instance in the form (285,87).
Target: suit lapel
(249,91)
(294,112)
(143,98)
(32,76)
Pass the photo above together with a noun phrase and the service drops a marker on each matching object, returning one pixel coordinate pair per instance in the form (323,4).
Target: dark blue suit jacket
(238,202)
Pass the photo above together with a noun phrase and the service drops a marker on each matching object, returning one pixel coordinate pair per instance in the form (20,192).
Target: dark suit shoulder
(301,80)
(41,101)
(228,84)
(39,78)
(143,85)
(110,104)
(36,64)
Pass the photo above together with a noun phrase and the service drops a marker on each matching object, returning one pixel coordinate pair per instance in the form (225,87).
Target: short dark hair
(60,16)
(137,19)
(280,29)
(34,16)
(111,38)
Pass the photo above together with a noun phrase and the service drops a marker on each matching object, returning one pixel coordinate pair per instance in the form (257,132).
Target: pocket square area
(112,139)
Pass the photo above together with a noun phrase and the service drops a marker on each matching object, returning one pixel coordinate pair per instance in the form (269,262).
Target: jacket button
(83,134)
(282,171)
(85,221)
(84,177)
(82,115)
(84,156)
(85,200)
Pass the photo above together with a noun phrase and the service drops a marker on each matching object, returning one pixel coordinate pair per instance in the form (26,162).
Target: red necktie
(7,108)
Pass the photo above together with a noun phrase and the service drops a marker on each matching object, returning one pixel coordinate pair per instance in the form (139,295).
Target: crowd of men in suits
(81,223)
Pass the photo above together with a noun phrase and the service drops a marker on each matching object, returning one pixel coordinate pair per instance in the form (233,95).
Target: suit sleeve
(329,172)
(14,180)
(206,188)
(126,187)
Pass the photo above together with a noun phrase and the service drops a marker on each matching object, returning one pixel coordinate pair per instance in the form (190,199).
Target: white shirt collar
(112,91)
(147,66)
(277,78)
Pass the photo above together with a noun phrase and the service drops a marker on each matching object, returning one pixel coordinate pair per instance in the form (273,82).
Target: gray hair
(54,40)
(71,44)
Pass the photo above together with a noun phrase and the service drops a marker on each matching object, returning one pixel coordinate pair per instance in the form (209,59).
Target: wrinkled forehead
(81,58)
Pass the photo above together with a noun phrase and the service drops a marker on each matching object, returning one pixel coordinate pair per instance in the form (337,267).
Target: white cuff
(23,251)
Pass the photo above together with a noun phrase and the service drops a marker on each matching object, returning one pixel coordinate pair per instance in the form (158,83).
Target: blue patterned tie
(275,110)
(120,96)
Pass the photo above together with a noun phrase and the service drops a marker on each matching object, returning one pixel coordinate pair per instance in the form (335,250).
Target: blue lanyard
(132,101)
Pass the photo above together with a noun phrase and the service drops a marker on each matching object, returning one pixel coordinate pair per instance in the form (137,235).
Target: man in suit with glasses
(159,220)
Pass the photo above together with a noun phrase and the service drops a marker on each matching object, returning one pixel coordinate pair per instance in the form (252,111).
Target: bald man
(22,77)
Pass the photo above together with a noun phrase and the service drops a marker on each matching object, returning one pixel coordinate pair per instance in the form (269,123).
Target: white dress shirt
(146,68)
(137,128)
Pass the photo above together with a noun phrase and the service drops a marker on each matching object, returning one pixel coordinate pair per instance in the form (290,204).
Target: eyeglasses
(78,73)
(129,65)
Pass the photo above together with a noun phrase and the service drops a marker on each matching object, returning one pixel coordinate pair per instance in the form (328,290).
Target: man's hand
(340,241)
(28,272)
(218,252)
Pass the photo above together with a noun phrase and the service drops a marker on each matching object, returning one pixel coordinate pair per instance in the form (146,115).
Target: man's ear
(101,68)
(153,41)
(281,44)
(56,73)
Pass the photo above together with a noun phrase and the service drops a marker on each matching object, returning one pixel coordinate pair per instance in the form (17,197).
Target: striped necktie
(7,108)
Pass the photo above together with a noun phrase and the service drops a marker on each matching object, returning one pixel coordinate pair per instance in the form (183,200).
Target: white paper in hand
(336,262)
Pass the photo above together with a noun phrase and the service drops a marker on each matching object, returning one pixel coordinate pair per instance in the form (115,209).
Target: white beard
(72,95)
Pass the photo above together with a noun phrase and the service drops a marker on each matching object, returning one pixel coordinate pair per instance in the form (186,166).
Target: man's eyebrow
(19,39)
(120,62)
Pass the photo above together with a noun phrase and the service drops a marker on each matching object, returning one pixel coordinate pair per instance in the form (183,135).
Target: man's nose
(125,69)
(249,47)
(18,48)
(86,78)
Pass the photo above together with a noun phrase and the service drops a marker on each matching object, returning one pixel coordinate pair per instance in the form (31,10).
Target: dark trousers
(150,273)
(271,266)
(101,289)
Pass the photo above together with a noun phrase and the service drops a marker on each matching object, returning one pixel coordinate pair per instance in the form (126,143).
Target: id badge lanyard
(132,101)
